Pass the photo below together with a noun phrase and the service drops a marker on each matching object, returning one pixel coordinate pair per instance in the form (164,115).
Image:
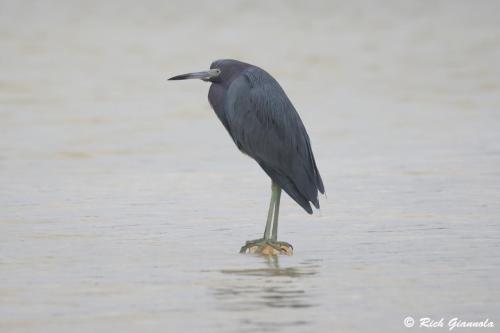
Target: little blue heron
(264,125)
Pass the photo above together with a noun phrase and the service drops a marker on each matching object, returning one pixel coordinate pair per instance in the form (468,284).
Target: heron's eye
(218,71)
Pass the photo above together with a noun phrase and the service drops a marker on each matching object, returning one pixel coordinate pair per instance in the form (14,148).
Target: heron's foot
(267,247)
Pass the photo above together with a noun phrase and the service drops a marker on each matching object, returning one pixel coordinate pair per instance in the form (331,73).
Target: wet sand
(123,202)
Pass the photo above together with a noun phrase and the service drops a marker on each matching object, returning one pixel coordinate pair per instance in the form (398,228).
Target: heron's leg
(268,245)
(277,196)
(272,203)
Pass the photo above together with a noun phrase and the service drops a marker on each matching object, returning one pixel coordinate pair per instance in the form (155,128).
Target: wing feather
(264,125)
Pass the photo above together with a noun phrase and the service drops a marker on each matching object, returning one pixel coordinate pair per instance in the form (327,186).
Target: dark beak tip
(205,75)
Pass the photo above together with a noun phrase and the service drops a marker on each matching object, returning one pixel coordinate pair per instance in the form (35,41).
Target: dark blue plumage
(263,124)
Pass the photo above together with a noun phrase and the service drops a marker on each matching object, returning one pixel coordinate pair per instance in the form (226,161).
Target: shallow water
(124,203)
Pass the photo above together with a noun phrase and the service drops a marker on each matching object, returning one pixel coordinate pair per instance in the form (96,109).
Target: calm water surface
(123,203)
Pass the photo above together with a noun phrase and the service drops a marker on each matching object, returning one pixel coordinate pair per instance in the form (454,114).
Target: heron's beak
(205,75)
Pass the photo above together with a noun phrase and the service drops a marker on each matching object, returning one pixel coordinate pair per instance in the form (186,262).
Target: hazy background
(123,202)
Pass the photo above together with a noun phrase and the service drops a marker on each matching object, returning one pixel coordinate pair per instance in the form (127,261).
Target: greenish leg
(271,231)
(267,231)
(277,195)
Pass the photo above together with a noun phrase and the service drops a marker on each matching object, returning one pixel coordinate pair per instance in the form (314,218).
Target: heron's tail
(291,189)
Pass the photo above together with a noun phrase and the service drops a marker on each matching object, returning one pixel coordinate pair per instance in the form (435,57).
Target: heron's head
(220,71)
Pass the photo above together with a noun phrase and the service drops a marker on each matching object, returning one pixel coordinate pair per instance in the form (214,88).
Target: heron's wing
(264,124)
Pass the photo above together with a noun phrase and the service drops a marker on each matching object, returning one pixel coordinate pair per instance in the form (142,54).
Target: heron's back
(264,125)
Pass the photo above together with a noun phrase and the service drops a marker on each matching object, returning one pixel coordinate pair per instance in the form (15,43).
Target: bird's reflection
(270,286)
(273,268)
